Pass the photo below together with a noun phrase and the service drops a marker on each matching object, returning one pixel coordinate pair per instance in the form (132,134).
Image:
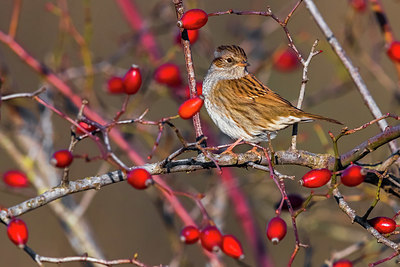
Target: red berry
(394,51)
(342,263)
(190,234)
(296,201)
(168,74)
(353,175)
(139,178)
(190,107)
(316,178)
(17,232)
(15,178)
(115,85)
(359,5)
(199,89)
(87,127)
(232,247)
(211,238)
(62,158)
(132,80)
(383,225)
(192,35)
(193,19)
(285,60)
(276,230)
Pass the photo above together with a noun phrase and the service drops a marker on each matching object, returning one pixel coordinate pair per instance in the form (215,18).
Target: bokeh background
(125,221)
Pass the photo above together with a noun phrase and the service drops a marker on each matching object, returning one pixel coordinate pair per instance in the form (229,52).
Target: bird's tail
(318,117)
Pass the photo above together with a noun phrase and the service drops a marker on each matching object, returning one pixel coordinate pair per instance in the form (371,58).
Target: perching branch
(300,157)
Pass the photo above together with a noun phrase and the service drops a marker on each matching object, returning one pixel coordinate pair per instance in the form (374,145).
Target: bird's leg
(271,150)
(254,149)
(229,151)
(232,146)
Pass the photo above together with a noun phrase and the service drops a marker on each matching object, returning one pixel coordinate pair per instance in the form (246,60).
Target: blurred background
(124,221)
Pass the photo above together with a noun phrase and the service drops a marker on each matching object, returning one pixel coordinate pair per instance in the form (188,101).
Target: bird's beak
(243,64)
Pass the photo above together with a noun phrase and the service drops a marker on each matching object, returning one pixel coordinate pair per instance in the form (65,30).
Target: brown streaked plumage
(242,106)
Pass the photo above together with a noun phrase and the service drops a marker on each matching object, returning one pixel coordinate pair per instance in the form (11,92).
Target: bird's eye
(229,60)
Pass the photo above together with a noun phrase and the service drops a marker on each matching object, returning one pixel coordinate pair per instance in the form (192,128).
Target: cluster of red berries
(169,74)
(129,84)
(212,240)
(353,175)
(15,178)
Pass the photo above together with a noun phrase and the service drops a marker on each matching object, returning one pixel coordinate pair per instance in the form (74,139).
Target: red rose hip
(232,247)
(190,107)
(383,225)
(342,263)
(199,89)
(15,178)
(394,51)
(192,35)
(316,178)
(17,232)
(86,126)
(353,175)
(285,60)
(168,74)
(62,158)
(115,85)
(359,5)
(193,19)
(139,178)
(276,230)
(211,238)
(190,234)
(132,80)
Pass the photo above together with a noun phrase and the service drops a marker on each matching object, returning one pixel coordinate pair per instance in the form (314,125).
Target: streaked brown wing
(249,90)
(253,105)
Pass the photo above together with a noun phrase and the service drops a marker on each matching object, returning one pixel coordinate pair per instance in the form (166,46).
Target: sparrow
(243,107)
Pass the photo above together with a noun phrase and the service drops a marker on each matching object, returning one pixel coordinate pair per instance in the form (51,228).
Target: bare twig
(353,71)
(18,95)
(304,81)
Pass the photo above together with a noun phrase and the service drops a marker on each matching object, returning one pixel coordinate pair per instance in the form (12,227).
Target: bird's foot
(229,153)
(254,151)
